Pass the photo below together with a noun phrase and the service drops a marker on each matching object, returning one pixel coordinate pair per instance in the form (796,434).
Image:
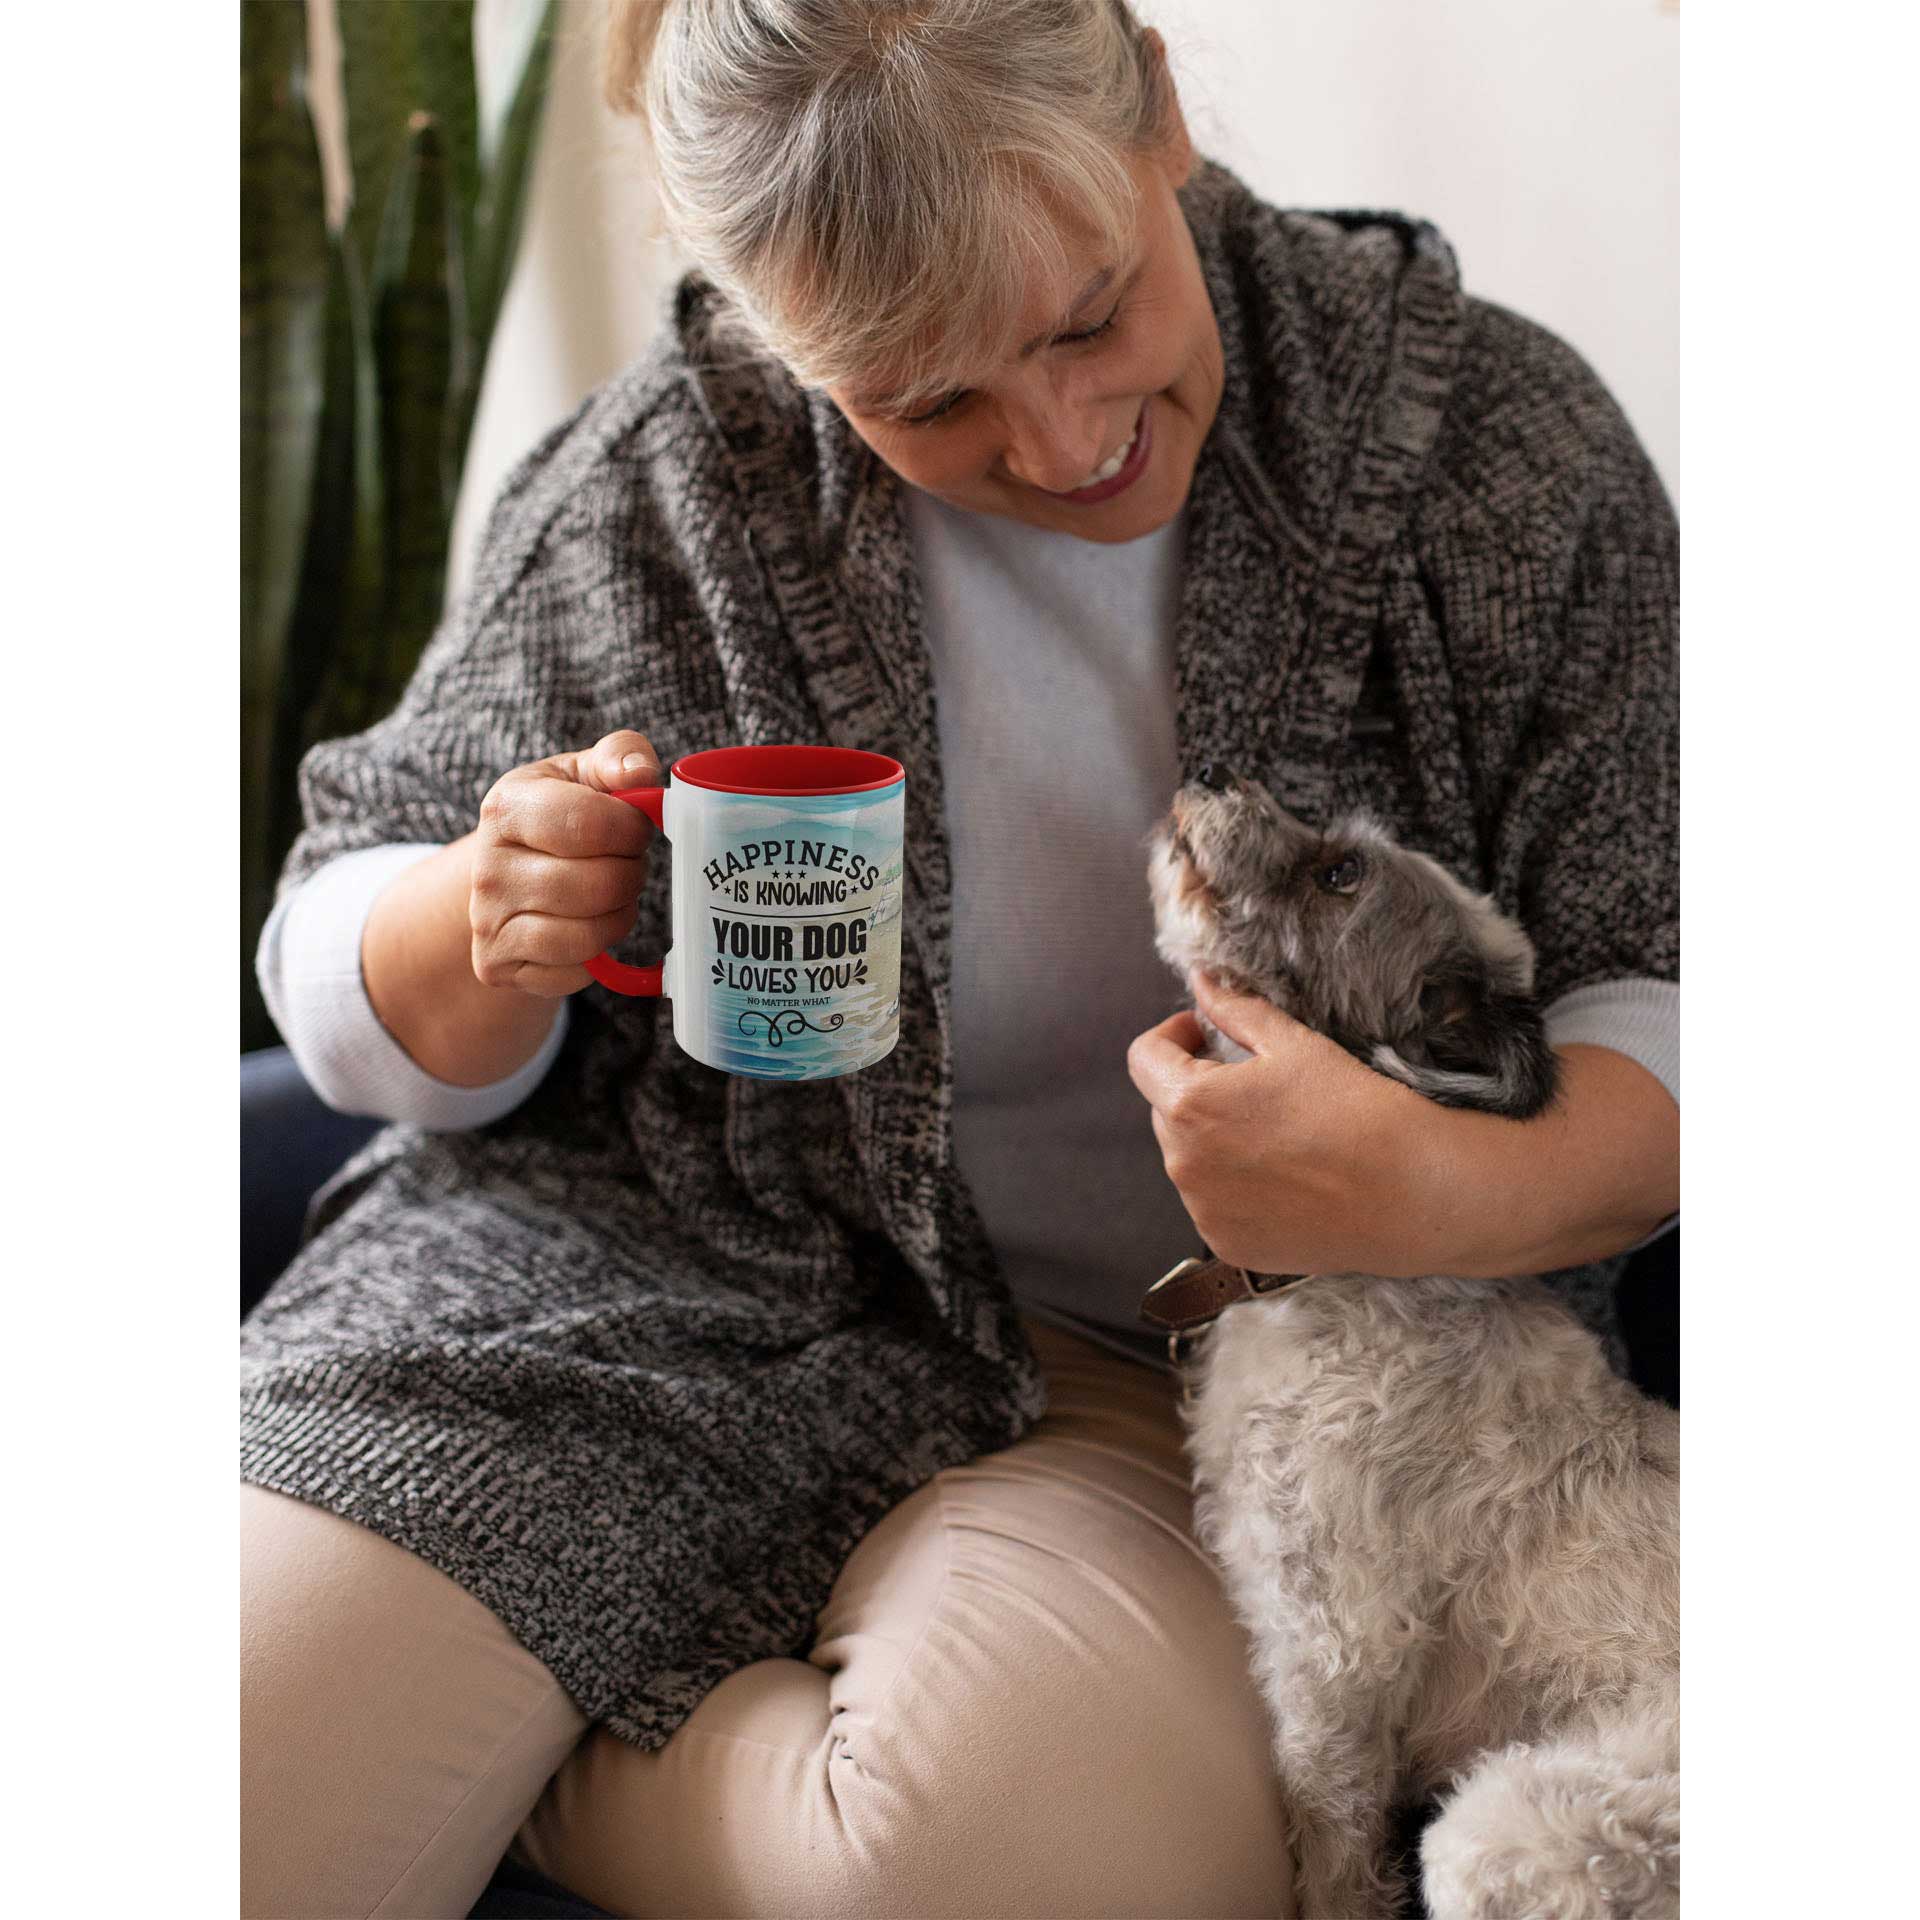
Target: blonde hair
(874,184)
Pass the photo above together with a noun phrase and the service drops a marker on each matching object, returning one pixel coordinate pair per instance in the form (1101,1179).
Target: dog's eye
(1343,875)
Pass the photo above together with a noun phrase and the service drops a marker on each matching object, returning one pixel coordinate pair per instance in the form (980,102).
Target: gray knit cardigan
(639,1363)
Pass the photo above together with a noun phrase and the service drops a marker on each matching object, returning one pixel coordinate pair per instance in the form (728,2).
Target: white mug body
(785,962)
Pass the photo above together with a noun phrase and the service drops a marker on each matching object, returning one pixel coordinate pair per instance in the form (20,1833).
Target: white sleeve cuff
(1640,1018)
(1637,1017)
(308,964)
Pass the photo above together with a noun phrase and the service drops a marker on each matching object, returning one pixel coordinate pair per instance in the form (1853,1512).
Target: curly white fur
(1451,1530)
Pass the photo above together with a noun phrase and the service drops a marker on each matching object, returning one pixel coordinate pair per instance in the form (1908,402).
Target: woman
(789,1441)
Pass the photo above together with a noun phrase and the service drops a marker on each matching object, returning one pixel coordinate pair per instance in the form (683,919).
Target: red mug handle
(603,966)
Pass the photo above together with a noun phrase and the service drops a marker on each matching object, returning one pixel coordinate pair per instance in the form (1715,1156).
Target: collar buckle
(1189,1297)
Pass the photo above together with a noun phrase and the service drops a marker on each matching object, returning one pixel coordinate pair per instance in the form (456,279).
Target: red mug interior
(792,771)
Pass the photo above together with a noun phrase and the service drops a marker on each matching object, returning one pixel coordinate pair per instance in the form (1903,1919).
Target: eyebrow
(1101,280)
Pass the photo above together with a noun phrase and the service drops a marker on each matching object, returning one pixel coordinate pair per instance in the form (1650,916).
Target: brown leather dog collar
(1197,1290)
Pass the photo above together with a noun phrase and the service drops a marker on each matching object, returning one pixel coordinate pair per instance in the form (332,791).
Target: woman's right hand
(557,865)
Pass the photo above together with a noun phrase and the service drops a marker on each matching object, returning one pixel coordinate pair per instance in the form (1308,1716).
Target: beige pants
(1028,1697)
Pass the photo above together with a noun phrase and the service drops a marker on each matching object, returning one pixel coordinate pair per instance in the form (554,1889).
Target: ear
(1475,1046)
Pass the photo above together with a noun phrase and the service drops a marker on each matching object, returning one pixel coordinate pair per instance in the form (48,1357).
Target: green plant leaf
(399,58)
(500,209)
(337,610)
(501,205)
(419,336)
(283,294)
(367,380)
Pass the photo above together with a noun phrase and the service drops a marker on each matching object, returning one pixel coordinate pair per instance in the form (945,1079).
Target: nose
(1053,446)
(1215,774)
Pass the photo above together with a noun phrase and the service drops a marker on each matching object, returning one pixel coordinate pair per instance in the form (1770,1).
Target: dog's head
(1373,945)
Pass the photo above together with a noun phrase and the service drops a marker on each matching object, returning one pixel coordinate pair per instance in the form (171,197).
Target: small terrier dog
(1450,1528)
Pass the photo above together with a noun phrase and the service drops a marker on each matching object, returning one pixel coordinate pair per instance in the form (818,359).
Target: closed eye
(1089,333)
(926,419)
(952,400)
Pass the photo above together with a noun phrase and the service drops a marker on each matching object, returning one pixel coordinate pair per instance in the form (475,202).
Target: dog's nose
(1213,774)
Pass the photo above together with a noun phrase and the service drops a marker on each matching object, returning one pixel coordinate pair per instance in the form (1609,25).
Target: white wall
(1541,136)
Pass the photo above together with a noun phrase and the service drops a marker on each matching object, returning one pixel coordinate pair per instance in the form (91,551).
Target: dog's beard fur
(1373,945)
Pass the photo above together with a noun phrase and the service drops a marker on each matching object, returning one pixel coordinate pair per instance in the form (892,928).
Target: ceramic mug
(786,894)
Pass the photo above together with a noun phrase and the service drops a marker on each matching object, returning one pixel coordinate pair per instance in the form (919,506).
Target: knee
(1074,1706)
(1044,1802)
(1060,1798)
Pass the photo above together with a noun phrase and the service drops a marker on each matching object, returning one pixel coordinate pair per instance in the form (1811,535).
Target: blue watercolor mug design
(786,892)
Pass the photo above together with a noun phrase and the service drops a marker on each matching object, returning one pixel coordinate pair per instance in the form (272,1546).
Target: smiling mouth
(1119,470)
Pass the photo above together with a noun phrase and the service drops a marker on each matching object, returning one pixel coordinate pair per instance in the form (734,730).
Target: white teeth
(1109,467)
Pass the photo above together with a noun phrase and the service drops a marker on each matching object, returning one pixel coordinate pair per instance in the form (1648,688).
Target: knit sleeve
(1567,652)
(1591,833)
(497,685)
(1640,1018)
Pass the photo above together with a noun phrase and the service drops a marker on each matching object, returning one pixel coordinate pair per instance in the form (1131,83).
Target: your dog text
(747,949)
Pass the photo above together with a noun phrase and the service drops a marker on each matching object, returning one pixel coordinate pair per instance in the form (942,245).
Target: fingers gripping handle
(603,966)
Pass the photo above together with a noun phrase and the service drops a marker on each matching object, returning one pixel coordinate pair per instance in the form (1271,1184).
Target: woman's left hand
(1299,1160)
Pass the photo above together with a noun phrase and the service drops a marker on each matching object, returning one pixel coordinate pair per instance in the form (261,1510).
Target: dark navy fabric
(289,1144)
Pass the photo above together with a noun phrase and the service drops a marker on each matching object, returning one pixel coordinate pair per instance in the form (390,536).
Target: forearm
(416,957)
(1596,1172)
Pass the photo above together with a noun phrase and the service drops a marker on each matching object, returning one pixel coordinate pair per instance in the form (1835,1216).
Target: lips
(1120,469)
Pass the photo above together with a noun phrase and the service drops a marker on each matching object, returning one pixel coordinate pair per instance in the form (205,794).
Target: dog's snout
(1215,774)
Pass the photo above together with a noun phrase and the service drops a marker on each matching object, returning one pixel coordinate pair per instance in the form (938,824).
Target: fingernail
(634,762)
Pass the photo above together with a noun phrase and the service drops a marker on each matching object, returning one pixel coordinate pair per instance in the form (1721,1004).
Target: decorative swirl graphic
(782,1026)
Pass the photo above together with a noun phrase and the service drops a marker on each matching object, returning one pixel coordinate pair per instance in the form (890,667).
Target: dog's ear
(1476,1045)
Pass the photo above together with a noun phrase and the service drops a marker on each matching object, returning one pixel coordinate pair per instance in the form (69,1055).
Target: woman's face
(1094,426)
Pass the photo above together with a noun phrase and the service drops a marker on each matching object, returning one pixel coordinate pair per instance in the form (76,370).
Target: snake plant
(362,349)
